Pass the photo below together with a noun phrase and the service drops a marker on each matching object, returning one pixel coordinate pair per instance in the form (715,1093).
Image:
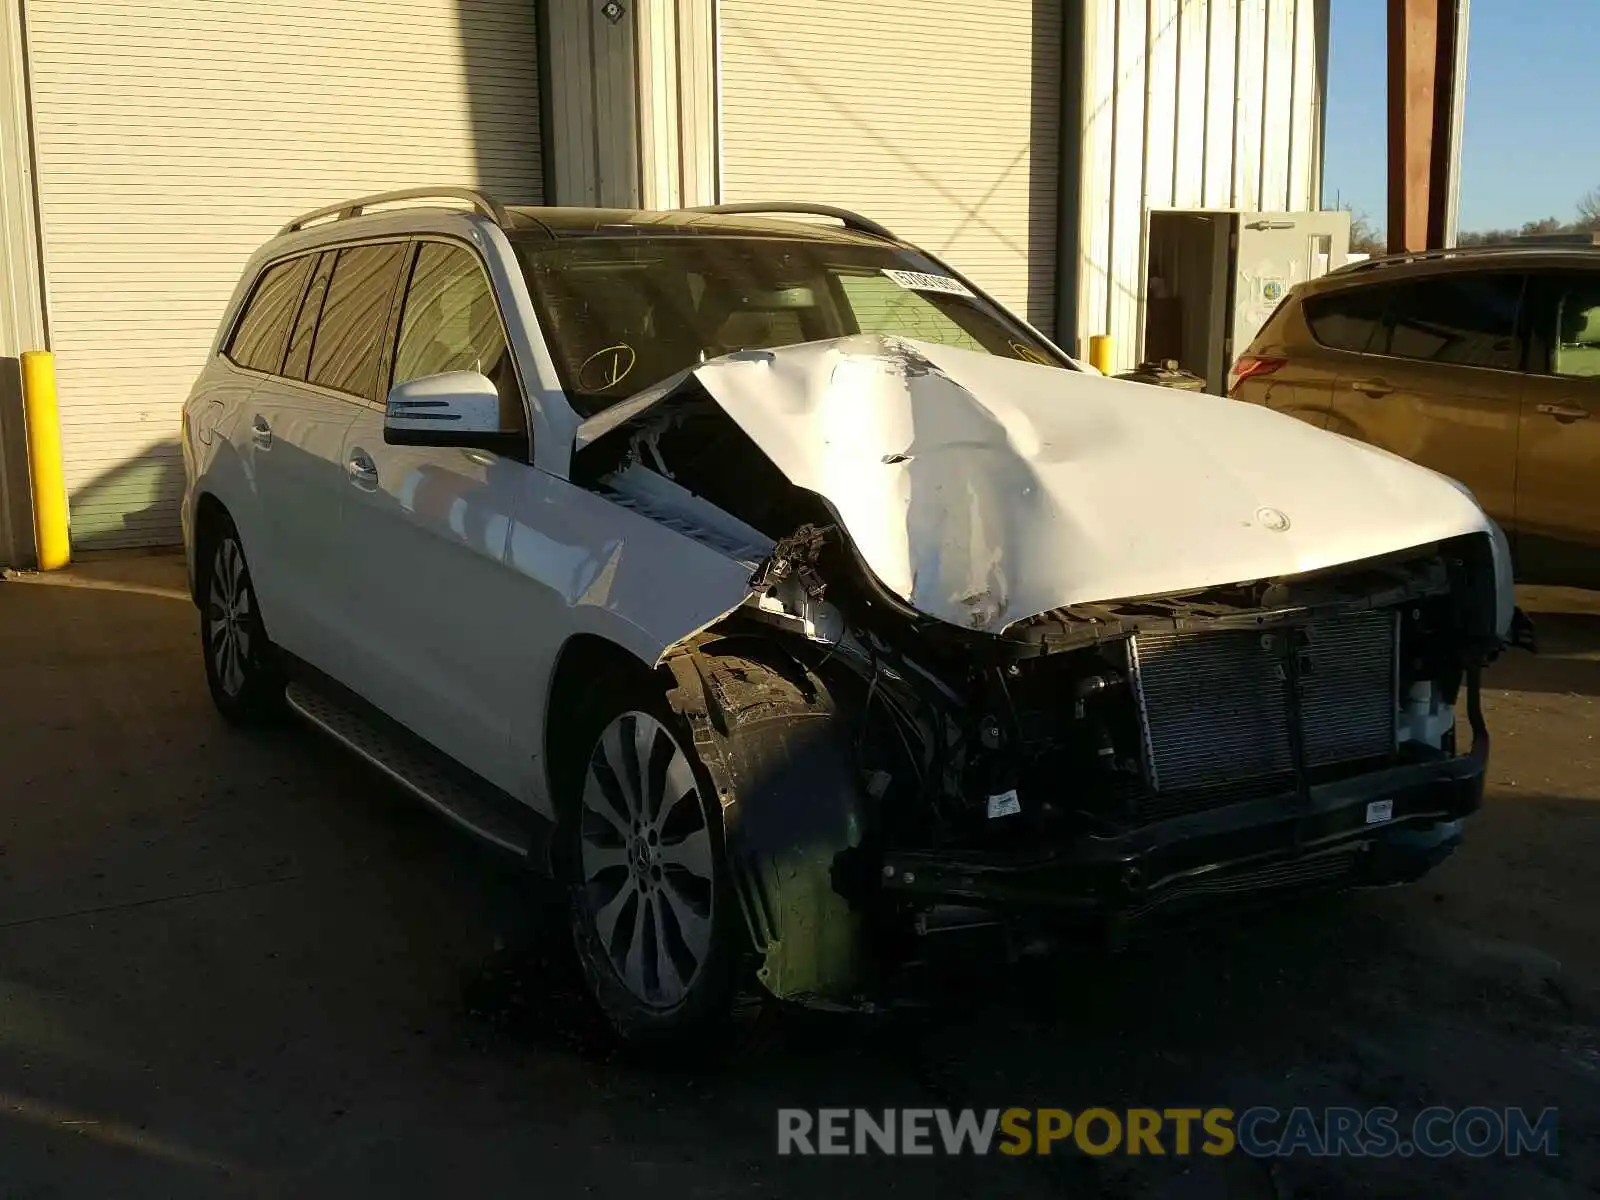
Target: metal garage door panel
(175,137)
(937,117)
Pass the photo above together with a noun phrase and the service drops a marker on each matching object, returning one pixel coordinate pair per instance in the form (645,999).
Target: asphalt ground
(244,964)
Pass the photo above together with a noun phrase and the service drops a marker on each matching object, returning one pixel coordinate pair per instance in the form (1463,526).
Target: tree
(1589,210)
(1588,219)
(1364,237)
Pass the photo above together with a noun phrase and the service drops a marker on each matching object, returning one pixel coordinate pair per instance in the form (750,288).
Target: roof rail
(482,203)
(850,220)
(1508,248)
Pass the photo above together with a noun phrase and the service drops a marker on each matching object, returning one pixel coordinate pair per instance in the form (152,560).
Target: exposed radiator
(1216,710)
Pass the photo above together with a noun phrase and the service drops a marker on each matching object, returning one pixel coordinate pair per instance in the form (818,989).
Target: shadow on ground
(239,963)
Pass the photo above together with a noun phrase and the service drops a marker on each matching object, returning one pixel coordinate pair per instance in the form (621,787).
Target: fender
(225,476)
(779,754)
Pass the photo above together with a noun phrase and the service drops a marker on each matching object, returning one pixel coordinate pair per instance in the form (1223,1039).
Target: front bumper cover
(1321,837)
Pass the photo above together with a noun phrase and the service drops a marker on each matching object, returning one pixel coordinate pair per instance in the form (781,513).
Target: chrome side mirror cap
(457,408)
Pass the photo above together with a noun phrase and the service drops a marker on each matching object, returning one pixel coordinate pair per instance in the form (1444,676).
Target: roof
(561,223)
(1469,257)
(719,220)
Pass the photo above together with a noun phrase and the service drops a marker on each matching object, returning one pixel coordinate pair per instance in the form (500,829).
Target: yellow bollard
(50,537)
(1100,352)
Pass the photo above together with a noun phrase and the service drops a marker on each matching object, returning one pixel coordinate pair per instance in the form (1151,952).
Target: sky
(1531,144)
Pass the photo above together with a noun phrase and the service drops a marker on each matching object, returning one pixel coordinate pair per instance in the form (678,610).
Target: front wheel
(652,916)
(241,669)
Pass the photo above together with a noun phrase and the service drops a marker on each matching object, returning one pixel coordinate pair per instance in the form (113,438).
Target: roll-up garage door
(175,136)
(937,117)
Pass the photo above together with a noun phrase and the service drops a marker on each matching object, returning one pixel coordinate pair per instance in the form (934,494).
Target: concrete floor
(242,964)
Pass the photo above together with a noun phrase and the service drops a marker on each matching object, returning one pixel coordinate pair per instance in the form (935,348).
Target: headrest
(1581,325)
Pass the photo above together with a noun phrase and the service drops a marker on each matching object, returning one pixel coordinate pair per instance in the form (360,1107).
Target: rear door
(291,435)
(1441,380)
(1558,477)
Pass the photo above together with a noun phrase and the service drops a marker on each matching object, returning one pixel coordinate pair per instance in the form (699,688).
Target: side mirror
(458,408)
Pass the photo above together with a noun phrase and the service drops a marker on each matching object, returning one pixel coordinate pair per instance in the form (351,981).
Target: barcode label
(921,281)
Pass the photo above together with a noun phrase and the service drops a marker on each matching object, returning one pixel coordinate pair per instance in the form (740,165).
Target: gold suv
(1483,364)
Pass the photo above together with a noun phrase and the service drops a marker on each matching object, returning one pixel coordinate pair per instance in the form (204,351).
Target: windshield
(622,315)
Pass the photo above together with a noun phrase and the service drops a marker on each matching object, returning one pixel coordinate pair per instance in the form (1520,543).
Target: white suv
(796,605)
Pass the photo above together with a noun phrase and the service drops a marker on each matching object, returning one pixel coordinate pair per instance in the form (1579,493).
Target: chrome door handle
(261,432)
(1563,412)
(363,472)
(1370,387)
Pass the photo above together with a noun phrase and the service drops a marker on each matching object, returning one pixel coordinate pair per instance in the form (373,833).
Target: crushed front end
(1105,767)
(1119,762)
(908,743)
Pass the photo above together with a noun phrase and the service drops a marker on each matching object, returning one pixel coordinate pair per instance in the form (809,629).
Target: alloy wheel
(647,859)
(229,611)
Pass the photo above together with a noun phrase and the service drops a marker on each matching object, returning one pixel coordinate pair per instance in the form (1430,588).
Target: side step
(471,802)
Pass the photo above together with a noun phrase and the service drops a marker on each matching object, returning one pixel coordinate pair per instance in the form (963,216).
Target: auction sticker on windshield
(921,281)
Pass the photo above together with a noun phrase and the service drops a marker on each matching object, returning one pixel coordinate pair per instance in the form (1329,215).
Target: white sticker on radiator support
(1379,811)
(1005,804)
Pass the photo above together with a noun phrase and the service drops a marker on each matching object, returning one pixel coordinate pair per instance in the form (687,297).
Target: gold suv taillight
(1248,367)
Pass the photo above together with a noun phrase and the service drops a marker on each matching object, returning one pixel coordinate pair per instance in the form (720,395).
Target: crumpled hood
(983,490)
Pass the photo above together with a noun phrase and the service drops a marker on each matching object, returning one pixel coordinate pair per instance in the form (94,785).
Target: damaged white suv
(795,604)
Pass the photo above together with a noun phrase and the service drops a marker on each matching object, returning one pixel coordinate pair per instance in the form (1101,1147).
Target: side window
(450,323)
(1468,320)
(298,357)
(349,340)
(882,306)
(1351,319)
(258,339)
(1577,334)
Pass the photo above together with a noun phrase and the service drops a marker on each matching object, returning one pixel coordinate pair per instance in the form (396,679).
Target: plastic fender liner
(779,754)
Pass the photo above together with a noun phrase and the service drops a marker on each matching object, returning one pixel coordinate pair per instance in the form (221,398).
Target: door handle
(261,432)
(1370,387)
(1563,412)
(363,472)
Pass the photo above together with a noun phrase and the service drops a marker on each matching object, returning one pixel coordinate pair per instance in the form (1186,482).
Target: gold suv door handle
(1563,412)
(1370,387)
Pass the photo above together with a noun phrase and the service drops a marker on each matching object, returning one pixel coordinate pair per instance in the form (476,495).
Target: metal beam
(24,318)
(1424,36)
(1069,178)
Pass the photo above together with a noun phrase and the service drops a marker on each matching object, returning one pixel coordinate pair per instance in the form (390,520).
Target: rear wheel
(651,913)
(241,669)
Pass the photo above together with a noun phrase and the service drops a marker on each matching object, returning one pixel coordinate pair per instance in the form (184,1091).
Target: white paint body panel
(1023,488)
(981,490)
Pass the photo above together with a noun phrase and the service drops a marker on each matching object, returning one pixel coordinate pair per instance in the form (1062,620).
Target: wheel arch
(585,662)
(209,514)
(777,744)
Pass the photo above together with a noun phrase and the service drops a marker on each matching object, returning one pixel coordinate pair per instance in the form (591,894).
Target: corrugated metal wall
(594,118)
(21,298)
(940,118)
(1190,104)
(175,137)
(677,103)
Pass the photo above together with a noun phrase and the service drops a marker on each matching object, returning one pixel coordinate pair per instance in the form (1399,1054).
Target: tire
(653,917)
(241,665)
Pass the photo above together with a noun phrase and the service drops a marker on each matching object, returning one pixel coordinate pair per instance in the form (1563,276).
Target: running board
(469,801)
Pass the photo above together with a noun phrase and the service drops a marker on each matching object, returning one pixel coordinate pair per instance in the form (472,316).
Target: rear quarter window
(258,339)
(1349,319)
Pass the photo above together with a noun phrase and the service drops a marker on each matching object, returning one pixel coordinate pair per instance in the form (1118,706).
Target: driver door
(426,528)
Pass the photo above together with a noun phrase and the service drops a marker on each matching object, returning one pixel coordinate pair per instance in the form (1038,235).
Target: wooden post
(1422,42)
